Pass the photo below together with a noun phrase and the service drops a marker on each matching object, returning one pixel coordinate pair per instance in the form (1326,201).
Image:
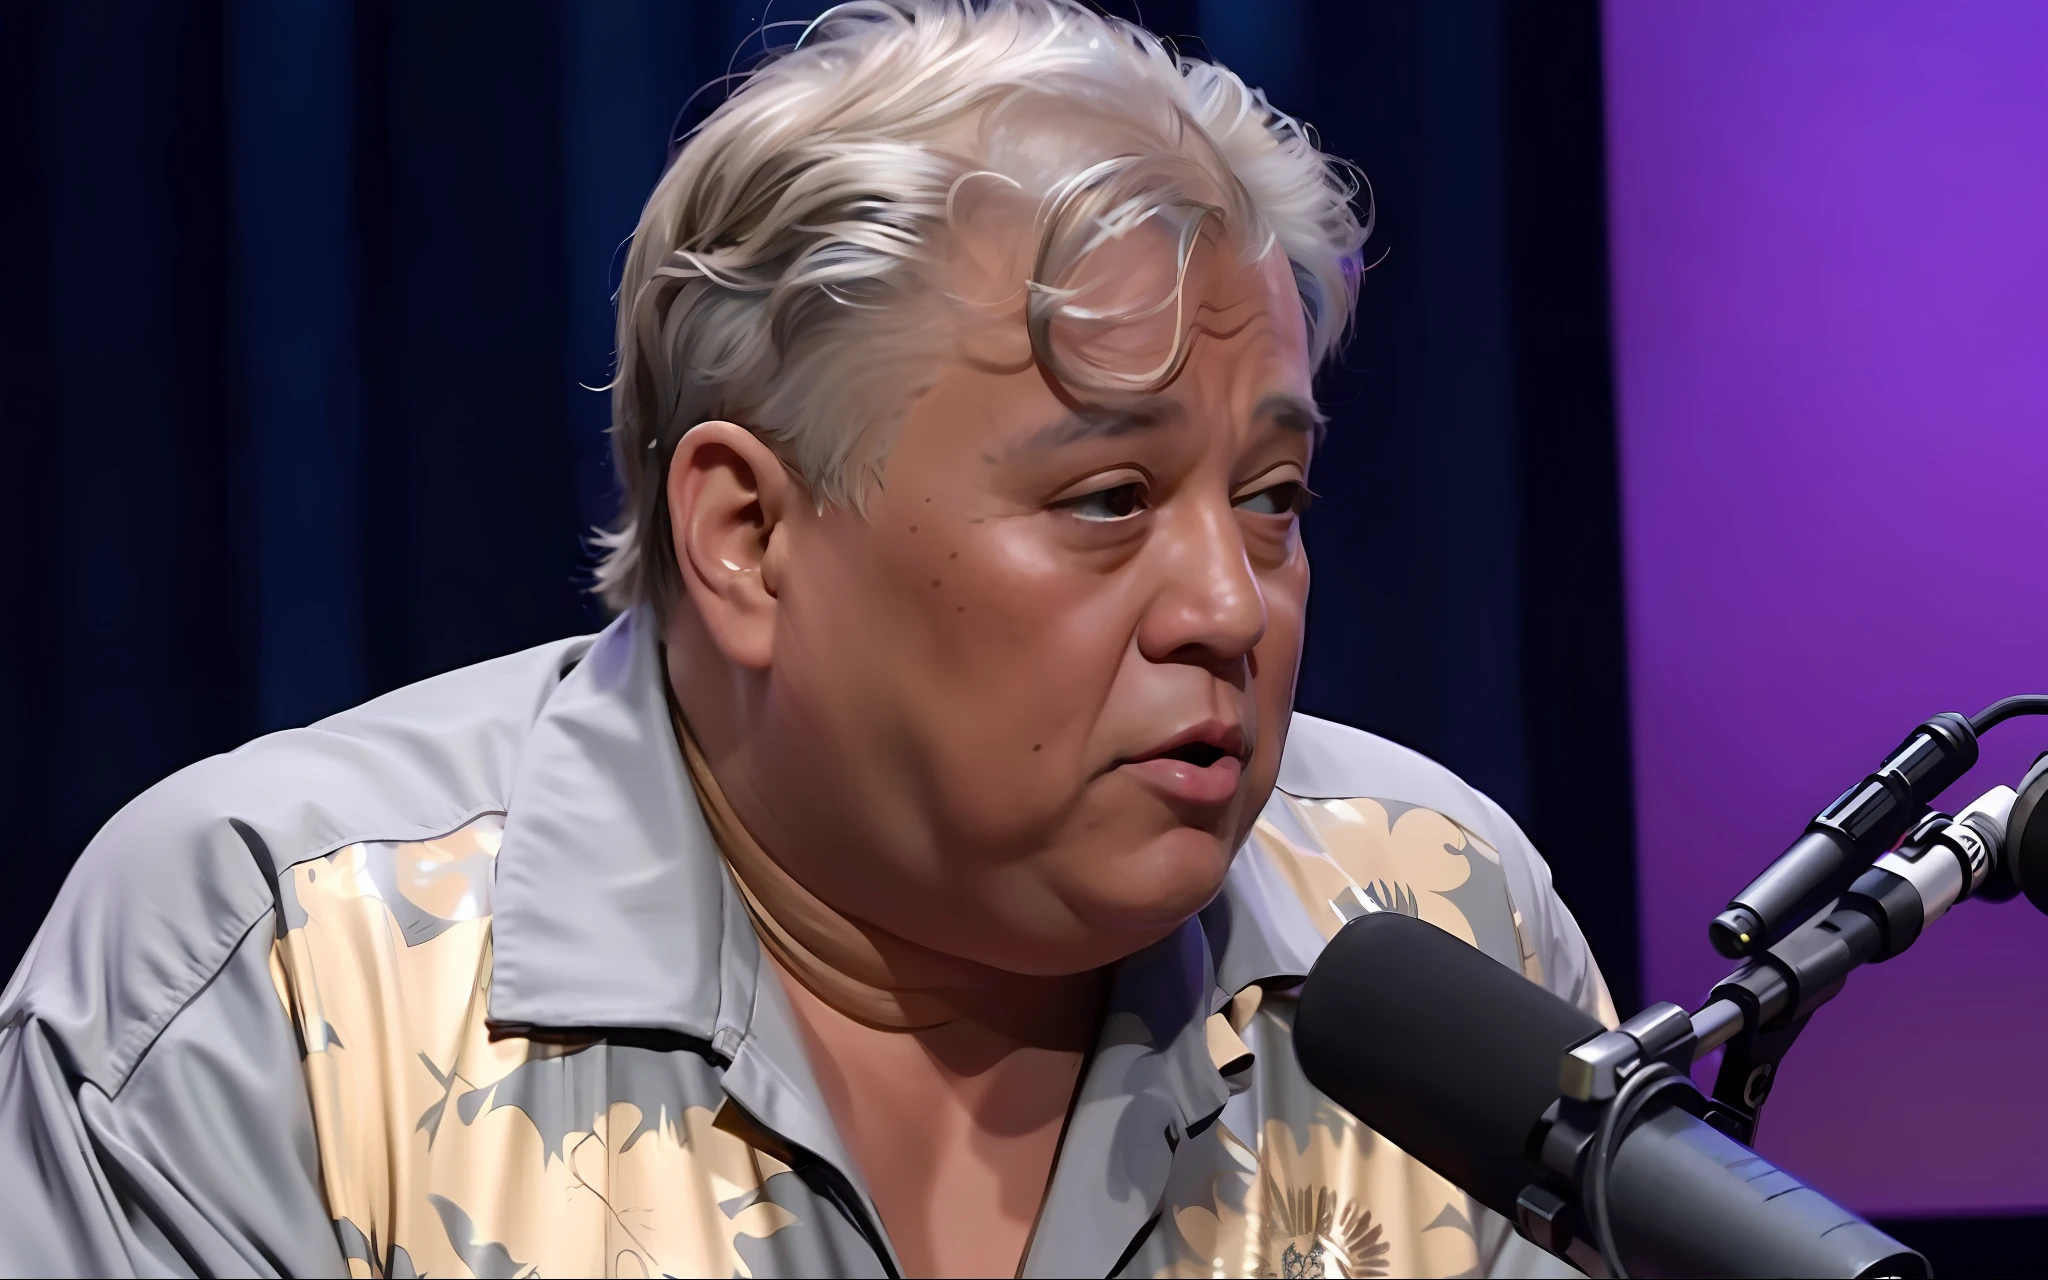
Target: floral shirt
(456,983)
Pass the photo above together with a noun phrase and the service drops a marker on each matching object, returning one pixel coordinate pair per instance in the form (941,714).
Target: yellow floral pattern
(1333,1201)
(1320,1194)
(1400,858)
(446,1151)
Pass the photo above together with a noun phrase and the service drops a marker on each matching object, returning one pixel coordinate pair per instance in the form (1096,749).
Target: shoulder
(163,895)
(1326,760)
(1355,813)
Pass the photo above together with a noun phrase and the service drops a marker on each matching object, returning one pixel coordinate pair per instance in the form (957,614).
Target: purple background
(1830,250)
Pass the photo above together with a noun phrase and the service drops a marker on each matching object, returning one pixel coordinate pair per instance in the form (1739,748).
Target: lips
(1199,766)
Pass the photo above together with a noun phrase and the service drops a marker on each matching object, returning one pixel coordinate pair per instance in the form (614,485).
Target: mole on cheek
(935,582)
(1037,746)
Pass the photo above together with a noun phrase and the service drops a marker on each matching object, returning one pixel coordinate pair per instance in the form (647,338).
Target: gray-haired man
(901,883)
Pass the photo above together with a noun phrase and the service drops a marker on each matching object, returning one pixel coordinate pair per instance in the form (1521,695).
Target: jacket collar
(613,908)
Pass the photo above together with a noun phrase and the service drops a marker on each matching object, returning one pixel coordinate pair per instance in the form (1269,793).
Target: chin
(1155,882)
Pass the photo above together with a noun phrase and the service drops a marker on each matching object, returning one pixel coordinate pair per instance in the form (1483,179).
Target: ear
(729,500)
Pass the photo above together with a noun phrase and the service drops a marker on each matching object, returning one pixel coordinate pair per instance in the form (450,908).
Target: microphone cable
(2020,704)
(1643,1084)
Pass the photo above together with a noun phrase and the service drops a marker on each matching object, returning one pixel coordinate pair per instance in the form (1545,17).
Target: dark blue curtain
(303,301)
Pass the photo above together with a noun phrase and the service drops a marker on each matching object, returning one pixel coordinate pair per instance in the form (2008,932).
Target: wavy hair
(767,279)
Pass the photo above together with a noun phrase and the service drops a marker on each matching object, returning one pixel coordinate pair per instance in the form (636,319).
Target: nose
(1208,609)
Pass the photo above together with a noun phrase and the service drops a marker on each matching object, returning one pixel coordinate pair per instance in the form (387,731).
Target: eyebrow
(1105,421)
(1283,409)
(1291,412)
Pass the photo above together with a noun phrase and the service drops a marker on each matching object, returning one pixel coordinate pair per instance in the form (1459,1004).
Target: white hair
(763,278)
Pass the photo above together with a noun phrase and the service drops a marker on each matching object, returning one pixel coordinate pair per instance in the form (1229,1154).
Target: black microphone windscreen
(1445,1052)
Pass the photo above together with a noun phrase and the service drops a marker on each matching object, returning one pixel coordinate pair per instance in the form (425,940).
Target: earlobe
(728,495)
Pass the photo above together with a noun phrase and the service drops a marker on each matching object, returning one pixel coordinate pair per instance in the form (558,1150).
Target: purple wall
(1830,240)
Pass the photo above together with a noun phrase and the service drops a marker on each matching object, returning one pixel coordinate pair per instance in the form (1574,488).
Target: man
(900,884)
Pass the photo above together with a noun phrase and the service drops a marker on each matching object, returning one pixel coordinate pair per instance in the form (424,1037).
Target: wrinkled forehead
(1244,383)
(1117,314)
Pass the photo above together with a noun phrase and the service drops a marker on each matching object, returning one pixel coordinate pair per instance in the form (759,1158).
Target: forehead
(1137,315)
(1234,325)
(1246,377)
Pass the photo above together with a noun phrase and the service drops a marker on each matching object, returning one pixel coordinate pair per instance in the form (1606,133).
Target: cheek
(1276,663)
(1285,590)
(1026,622)
(972,660)
(1023,655)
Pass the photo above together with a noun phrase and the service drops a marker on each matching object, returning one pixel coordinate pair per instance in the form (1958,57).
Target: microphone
(1847,837)
(1458,1060)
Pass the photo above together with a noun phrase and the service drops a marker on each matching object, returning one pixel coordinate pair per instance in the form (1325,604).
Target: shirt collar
(613,909)
(609,907)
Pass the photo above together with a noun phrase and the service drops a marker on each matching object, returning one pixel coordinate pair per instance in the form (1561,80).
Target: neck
(870,975)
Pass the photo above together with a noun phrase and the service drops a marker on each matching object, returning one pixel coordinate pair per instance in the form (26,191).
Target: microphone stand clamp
(1593,1077)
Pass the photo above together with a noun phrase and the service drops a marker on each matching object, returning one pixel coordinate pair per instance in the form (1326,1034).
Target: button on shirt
(456,983)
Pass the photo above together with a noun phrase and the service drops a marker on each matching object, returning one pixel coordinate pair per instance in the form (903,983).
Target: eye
(1288,498)
(1104,506)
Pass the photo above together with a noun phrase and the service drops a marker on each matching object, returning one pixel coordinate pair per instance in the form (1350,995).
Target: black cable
(2020,704)
(1643,1084)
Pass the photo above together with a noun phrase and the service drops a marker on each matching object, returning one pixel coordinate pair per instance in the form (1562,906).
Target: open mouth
(1202,746)
(1199,754)
(1202,772)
